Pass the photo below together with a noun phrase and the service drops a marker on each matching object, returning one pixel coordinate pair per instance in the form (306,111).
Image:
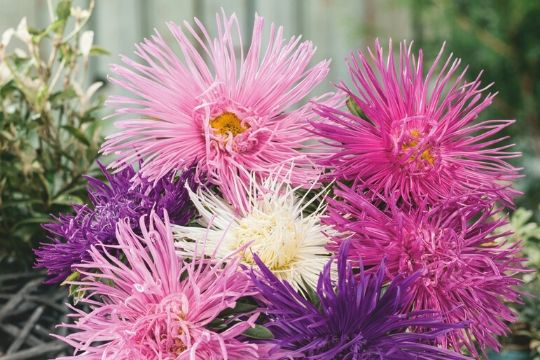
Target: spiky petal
(414,132)
(232,114)
(156,305)
(73,235)
(469,269)
(274,224)
(354,320)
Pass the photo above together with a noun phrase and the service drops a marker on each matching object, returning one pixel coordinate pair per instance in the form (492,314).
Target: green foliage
(49,127)
(528,233)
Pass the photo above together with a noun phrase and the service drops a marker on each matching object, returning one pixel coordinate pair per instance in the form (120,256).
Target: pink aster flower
(415,132)
(155,305)
(468,267)
(231,112)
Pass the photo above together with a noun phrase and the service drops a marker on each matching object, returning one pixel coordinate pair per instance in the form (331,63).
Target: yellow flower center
(273,237)
(426,155)
(227,123)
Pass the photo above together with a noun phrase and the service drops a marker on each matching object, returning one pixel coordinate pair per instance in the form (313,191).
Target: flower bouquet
(243,219)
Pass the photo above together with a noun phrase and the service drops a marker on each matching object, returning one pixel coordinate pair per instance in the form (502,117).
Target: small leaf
(354,108)
(97,51)
(258,332)
(239,308)
(63,9)
(72,277)
(77,134)
(57,26)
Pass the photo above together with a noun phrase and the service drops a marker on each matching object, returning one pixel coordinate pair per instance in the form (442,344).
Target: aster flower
(414,132)
(232,114)
(274,225)
(156,305)
(468,266)
(72,235)
(353,318)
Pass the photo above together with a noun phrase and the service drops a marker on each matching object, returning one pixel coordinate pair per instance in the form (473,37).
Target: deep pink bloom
(155,305)
(415,132)
(468,267)
(231,114)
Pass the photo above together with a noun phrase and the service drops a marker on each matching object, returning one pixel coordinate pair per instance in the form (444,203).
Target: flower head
(73,235)
(468,269)
(352,318)
(414,132)
(274,225)
(232,115)
(156,305)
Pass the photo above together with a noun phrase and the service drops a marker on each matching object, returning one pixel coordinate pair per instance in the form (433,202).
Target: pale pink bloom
(232,112)
(155,305)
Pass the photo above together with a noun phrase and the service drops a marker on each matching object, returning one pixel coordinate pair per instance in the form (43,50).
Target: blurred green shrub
(528,328)
(49,126)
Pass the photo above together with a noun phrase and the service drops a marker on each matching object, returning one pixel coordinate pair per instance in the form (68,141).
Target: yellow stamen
(228,122)
(426,154)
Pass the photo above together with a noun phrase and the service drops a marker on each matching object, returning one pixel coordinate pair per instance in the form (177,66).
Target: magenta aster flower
(73,235)
(155,305)
(414,132)
(232,114)
(352,318)
(468,269)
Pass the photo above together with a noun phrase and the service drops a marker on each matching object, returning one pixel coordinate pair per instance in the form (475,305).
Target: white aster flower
(275,227)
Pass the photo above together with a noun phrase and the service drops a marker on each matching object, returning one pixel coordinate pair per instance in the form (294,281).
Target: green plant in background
(49,128)
(526,332)
(529,234)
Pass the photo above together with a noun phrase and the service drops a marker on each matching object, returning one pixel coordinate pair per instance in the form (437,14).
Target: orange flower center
(426,155)
(227,123)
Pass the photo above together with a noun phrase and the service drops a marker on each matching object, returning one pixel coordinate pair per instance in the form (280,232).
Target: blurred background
(499,37)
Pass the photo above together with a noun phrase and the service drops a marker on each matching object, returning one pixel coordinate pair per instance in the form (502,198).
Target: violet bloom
(232,110)
(469,269)
(156,305)
(414,132)
(353,318)
(72,235)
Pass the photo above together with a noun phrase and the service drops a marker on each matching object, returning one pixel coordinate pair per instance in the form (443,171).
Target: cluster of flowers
(243,222)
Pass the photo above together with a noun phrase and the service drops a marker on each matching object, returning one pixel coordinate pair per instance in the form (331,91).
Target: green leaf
(58,26)
(77,134)
(240,308)
(32,221)
(310,294)
(72,277)
(68,200)
(98,51)
(354,108)
(217,324)
(59,97)
(63,9)
(258,332)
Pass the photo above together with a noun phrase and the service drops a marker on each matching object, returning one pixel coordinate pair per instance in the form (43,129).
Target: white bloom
(5,73)
(79,13)
(6,37)
(23,33)
(288,242)
(86,41)
(86,96)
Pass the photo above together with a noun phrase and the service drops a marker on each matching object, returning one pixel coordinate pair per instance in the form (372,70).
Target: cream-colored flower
(276,228)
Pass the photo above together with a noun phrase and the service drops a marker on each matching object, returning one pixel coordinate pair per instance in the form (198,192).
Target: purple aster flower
(352,318)
(469,270)
(73,235)
(415,131)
